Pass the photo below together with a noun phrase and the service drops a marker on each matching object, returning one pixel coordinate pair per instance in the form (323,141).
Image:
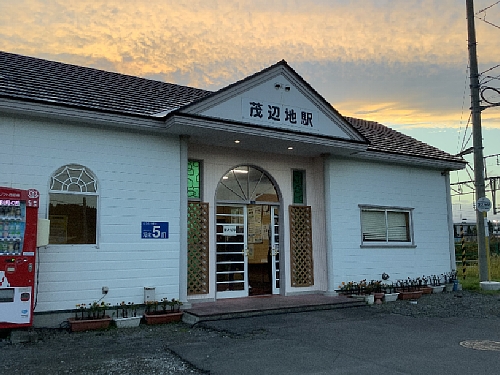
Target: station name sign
(281,115)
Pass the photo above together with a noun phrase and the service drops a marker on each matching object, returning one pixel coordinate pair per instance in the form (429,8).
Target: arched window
(73,198)
(246,183)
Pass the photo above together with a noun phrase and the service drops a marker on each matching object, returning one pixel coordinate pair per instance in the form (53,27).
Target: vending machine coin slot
(25,297)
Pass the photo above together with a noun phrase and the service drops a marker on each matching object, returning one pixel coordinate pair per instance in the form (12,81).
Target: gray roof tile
(29,78)
(48,81)
(385,139)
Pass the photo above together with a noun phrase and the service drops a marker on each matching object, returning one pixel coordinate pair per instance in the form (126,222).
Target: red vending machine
(18,235)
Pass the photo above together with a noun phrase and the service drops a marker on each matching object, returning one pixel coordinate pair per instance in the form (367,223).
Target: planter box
(131,322)
(437,289)
(391,297)
(410,295)
(88,324)
(426,290)
(163,318)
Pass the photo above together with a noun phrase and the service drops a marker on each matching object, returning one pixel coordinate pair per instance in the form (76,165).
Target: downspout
(183,217)
(451,234)
(328,225)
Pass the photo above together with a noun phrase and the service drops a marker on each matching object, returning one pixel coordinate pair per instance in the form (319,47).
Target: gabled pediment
(276,98)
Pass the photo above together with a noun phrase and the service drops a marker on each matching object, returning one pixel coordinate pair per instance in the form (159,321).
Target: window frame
(200,188)
(63,190)
(304,192)
(387,242)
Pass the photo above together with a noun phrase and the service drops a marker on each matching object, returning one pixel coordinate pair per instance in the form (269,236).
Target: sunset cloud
(358,54)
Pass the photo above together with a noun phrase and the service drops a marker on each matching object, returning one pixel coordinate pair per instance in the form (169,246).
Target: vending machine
(18,244)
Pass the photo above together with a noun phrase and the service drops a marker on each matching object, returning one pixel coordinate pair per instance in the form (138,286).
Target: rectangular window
(73,218)
(298,184)
(194,179)
(386,225)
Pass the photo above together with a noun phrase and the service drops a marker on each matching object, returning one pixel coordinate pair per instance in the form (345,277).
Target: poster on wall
(255,224)
(58,229)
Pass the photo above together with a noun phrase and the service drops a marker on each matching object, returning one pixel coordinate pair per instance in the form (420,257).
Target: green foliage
(471,281)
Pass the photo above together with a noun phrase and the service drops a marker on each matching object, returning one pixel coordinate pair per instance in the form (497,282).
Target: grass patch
(471,281)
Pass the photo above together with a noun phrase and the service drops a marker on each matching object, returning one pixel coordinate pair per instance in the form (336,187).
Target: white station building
(261,187)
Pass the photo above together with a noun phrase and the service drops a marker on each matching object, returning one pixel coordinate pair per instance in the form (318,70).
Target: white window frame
(386,210)
(83,183)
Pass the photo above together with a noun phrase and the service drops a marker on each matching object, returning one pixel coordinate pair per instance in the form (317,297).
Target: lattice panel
(301,254)
(198,272)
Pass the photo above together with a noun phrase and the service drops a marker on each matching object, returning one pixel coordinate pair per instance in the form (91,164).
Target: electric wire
(488,7)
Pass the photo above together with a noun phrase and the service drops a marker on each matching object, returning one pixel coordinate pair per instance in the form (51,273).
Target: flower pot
(370,299)
(449,287)
(437,288)
(410,295)
(80,325)
(378,298)
(131,322)
(162,318)
(391,297)
(426,290)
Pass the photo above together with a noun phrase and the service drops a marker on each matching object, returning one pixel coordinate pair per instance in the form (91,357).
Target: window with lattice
(301,252)
(198,256)
(73,201)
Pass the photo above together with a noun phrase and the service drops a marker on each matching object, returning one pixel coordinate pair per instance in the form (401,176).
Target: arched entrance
(247,230)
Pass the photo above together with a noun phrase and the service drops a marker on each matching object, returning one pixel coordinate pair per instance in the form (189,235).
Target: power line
(488,7)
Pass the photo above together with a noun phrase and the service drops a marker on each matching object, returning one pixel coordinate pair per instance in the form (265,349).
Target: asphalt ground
(402,338)
(350,341)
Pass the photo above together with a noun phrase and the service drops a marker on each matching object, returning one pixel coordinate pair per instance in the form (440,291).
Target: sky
(403,63)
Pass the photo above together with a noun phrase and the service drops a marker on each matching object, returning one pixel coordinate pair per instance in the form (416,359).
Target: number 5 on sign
(156,231)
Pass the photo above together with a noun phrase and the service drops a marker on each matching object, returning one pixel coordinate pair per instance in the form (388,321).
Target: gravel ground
(145,350)
(461,304)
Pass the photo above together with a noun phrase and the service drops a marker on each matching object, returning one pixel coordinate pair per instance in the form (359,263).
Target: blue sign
(154,229)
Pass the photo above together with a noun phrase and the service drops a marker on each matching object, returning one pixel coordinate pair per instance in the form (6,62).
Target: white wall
(354,183)
(138,178)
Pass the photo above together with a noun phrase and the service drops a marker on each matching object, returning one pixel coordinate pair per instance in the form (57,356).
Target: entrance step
(265,305)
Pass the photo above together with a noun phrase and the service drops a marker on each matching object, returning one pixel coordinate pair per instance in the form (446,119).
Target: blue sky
(403,63)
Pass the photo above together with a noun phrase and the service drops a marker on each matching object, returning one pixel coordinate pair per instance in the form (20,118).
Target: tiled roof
(41,80)
(29,78)
(385,139)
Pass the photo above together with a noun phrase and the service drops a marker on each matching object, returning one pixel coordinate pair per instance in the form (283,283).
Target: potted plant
(90,317)
(165,311)
(436,285)
(390,294)
(449,280)
(424,285)
(126,315)
(408,289)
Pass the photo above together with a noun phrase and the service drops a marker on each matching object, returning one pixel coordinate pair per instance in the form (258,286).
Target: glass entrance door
(275,249)
(231,252)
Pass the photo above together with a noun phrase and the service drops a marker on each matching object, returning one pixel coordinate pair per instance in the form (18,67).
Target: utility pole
(477,140)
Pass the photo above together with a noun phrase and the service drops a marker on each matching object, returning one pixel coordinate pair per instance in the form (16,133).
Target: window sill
(388,245)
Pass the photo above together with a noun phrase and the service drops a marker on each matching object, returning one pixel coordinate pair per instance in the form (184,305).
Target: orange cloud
(217,42)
